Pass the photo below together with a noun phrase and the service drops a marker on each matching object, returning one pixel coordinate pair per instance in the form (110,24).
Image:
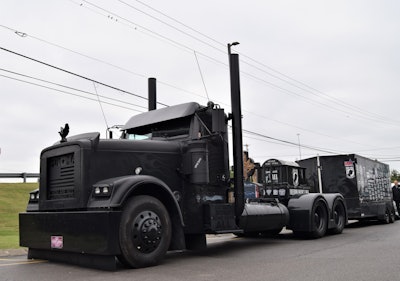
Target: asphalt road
(363,252)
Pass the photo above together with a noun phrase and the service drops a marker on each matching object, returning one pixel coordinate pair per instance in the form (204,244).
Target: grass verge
(13,200)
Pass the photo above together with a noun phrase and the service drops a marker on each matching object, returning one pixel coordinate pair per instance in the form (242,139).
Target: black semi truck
(163,186)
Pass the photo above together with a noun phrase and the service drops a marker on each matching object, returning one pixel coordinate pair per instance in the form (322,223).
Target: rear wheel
(319,220)
(339,216)
(144,233)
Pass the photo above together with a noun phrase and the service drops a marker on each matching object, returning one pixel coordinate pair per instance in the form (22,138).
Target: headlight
(102,190)
(34,196)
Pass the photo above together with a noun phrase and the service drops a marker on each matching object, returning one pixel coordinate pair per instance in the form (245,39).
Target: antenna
(201,75)
(101,106)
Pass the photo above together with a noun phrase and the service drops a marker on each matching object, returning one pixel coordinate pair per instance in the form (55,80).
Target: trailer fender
(302,209)
(337,213)
(123,188)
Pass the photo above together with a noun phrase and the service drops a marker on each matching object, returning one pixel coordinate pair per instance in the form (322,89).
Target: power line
(290,143)
(167,24)
(303,86)
(77,75)
(361,113)
(263,136)
(23,34)
(80,76)
(62,91)
(99,60)
(67,87)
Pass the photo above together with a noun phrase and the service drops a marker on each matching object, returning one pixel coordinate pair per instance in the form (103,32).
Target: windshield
(178,128)
(137,137)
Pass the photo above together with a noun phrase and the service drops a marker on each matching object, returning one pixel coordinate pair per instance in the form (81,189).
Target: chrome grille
(61,174)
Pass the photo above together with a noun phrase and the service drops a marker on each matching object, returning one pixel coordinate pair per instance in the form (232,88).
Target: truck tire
(319,220)
(144,232)
(339,216)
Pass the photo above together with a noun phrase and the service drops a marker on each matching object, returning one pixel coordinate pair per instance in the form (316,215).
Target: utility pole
(298,138)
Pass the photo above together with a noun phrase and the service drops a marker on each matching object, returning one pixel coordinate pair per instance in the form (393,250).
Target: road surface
(364,252)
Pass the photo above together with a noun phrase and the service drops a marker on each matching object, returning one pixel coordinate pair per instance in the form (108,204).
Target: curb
(13,252)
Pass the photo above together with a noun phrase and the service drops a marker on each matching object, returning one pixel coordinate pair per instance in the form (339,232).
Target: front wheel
(144,232)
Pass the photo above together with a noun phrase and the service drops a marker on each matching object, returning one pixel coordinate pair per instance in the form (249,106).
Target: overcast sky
(324,74)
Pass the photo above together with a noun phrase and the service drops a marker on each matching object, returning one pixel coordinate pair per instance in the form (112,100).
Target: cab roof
(161,115)
(277,162)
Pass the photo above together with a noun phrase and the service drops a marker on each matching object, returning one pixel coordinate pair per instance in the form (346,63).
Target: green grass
(13,200)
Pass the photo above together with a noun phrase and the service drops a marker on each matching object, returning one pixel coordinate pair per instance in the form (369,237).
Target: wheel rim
(147,232)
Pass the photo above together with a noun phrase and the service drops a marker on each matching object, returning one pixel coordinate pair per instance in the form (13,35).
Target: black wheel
(392,217)
(144,232)
(386,217)
(319,220)
(339,216)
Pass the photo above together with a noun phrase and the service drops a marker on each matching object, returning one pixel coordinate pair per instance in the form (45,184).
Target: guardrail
(23,176)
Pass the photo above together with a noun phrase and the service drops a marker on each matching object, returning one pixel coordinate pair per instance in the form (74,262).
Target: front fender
(124,187)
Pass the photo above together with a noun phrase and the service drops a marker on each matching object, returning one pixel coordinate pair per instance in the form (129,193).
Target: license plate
(57,242)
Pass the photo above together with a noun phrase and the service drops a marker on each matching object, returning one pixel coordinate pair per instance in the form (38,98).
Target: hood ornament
(64,132)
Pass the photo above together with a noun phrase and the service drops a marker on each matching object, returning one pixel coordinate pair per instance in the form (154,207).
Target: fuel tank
(263,216)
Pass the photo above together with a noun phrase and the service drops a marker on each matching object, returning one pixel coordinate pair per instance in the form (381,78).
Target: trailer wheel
(392,217)
(144,232)
(319,220)
(339,216)
(386,217)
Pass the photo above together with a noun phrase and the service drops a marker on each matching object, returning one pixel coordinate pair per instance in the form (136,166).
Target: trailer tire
(392,217)
(339,217)
(386,217)
(144,232)
(319,220)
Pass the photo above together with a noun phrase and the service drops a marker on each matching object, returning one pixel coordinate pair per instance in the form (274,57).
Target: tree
(394,175)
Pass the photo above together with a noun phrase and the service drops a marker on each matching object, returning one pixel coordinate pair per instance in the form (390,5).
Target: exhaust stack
(237,134)
(152,84)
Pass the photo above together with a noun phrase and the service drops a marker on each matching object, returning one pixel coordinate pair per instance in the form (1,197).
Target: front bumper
(84,232)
